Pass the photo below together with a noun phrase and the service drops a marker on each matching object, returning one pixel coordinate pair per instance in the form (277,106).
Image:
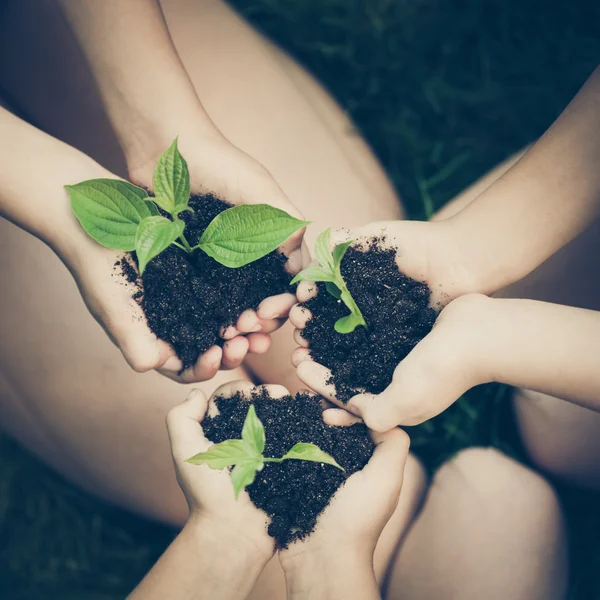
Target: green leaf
(182,208)
(165,203)
(171,177)
(152,207)
(313,273)
(243,474)
(242,234)
(253,432)
(154,234)
(348,323)
(339,251)
(225,454)
(310,452)
(333,289)
(109,210)
(323,252)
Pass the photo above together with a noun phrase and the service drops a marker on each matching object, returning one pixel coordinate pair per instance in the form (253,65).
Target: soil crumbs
(396,310)
(187,299)
(295,492)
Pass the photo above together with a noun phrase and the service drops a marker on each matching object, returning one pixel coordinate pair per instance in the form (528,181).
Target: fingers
(300,355)
(247,389)
(234,352)
(338,417)
(301,341)
(300,316)
(306,290)
(232,388)
(259,343)
(183,426)
(386,466)
(294,262)
(317,378)
(276,307)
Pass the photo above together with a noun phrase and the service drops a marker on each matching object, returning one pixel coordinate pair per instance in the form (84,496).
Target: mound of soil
(295,492)
(187,299)
(395,308)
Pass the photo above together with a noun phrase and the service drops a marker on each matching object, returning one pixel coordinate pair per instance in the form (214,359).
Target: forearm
(545,200)
(144,86)
(202,564)
(545,347)
(34,168)
(334,576)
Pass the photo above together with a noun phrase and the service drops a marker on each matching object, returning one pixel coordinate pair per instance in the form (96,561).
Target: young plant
(329,271)
(246,455)
(122,216)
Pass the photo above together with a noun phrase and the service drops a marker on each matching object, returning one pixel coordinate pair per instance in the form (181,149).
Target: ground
(443,90)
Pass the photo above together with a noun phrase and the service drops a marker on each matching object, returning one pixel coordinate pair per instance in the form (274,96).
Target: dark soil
(396,310)
(187,299)
(295,492)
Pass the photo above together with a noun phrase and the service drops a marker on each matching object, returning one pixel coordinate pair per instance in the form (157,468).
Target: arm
(545,347)
(201,564)
(146,91)
(225,545)
(544,201)
(341,575)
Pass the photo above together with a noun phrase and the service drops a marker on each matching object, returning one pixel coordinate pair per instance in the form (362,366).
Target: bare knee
(562,439)
(498,482)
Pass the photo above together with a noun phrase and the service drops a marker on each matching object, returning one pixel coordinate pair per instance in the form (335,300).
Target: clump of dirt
(295,492)
(188,299)
(396,310)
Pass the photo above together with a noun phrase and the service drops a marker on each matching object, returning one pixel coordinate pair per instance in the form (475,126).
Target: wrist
(475,264)
(234,551)
(320,574)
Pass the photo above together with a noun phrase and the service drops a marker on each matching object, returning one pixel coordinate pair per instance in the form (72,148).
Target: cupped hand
(425,251)
(209,493)
(216,166)
(353,521)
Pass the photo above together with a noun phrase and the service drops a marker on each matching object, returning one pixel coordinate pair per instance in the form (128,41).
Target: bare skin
(236,531)
(476,249)
(478,496)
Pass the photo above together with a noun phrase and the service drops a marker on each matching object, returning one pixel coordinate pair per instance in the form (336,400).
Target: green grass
(443,91)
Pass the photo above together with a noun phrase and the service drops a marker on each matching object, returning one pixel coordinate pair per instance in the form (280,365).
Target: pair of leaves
(329,271)
(246,455)
(122,216)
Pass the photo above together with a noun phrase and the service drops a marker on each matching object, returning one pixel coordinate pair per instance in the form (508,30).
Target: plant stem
(186,245)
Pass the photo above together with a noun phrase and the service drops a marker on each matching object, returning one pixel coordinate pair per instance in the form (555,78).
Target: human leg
(490,528)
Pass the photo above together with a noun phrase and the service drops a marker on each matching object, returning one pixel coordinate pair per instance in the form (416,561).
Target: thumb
(441,367)
(183,425)
(385,469)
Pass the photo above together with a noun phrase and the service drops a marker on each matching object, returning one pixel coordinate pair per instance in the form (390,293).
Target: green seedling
(246,455)
(122,216)
(329,271)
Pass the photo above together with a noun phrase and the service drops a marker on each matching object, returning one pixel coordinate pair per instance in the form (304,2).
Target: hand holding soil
(204,272)
(387,271)
(209,492)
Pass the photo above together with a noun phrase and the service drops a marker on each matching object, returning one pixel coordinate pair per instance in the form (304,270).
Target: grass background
(443,91)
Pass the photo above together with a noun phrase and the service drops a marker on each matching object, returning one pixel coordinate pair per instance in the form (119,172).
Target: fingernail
(173,363)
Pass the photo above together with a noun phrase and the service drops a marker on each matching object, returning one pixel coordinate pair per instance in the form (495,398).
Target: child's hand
(340,550)
(209,492)
(534,345)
